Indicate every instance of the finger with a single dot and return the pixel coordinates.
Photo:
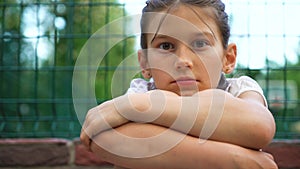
(272, 163)
(86, 133)
(85, 137)
(85, 140)
(95, 126)
(268, 155)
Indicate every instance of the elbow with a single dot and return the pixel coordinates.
(262, 126)
(265, 139)
(265, 132)
(269, 133)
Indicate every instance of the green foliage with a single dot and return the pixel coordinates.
(40, 43)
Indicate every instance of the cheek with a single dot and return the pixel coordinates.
(160, 77)
(212, 68)
(213, 58)
(159, 84)
(161, 64)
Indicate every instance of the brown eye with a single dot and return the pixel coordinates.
(166, 46)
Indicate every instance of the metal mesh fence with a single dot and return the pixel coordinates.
(40, 41)
(268, 40)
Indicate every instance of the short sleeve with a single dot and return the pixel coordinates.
(138, 85)
(244, 84)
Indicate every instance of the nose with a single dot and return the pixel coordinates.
(184, 57)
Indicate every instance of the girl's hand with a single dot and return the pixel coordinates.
(99, 119)
(247, 158)
(116, 112)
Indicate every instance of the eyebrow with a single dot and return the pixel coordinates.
(205, 33)
(208, 34)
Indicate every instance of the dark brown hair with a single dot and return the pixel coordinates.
(221, 17)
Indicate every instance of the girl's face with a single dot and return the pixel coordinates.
(185, 53)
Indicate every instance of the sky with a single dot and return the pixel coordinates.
(262, 29)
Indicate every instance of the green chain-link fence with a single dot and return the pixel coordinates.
(41, 39)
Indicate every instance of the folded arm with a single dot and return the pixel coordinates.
(211, 114)
(191, 153)
(218, 116)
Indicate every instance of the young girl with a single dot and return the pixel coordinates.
(159, 124)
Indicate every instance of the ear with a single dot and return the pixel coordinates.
(142, 58)
(229, 59)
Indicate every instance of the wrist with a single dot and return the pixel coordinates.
(132, 106)
(139, 102)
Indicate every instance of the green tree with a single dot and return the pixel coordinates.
(40, 43)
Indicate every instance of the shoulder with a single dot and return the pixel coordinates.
(140, 85)
(243, 84)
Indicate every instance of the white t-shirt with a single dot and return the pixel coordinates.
(236, 86)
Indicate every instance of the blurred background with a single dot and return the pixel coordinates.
(40, 41)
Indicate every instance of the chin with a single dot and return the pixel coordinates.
(187, 93)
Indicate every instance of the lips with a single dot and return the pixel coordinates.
(185, 81)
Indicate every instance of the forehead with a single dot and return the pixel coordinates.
(183, 21)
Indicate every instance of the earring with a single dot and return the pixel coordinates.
(227, 69)
(146, 74)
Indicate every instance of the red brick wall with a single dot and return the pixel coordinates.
(286, 153)
(46, 152)
(61, 152)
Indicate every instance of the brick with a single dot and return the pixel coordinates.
(34, 152)
(84, 157)
(286, 153)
